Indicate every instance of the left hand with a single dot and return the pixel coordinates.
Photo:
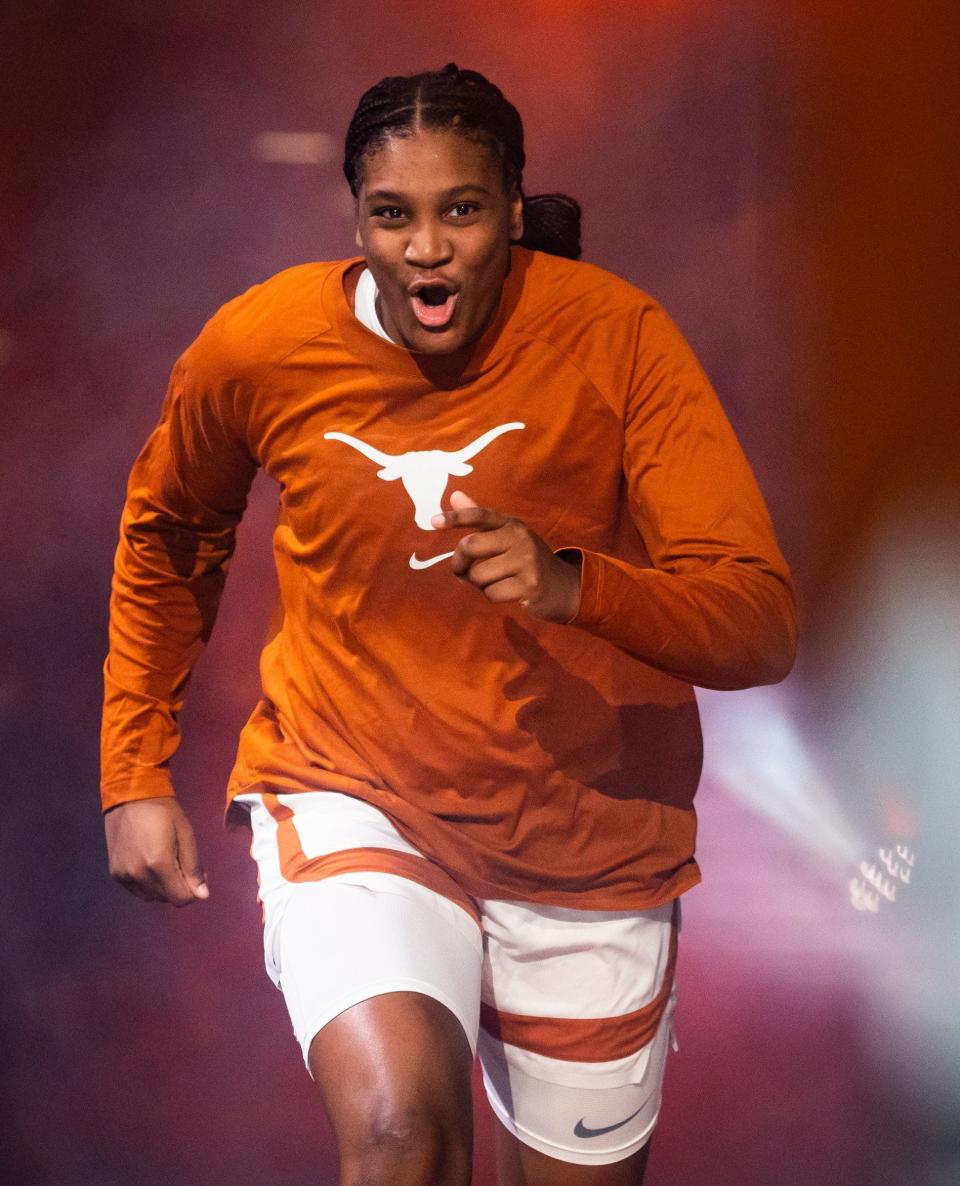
(509, 562)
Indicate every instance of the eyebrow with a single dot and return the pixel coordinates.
(391, 195)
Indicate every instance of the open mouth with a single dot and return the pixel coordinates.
(433, 305)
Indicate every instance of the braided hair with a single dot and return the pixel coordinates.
(470, 104)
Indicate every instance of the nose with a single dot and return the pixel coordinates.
(429, 245)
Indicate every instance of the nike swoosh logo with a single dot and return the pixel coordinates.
(415, 562)
(582, 1131)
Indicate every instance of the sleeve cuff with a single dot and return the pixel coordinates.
(591, 585)
(151, 782)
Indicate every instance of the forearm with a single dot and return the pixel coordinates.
(729, 626)
(716, 608)
(166, 590)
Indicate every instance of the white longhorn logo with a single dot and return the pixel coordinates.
(424, 472)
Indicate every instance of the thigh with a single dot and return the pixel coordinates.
(378, 956)
(339, 943)
(576, 1019)
(334, 938)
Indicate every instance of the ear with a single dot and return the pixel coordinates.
(516, 216)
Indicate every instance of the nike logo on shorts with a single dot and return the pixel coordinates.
(581, 1129)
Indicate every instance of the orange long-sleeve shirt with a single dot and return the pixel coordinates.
(553, 763)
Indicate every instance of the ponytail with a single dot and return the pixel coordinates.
(551, 223)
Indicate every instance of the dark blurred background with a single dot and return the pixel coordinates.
(781, 177)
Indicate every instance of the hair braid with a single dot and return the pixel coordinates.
(472, 105)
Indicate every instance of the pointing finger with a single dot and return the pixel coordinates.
(473, 516)
(459, 500)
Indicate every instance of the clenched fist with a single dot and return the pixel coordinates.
(153, 852)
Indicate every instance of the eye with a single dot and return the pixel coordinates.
(464, 209)
(388, 213)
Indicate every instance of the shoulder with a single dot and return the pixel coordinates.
(556, 288)
(254, 331)
(598, 322)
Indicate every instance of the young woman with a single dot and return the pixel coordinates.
(515, 528)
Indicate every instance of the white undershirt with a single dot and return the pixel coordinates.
(365, 304)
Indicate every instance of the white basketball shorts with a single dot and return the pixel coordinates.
(570, 1011)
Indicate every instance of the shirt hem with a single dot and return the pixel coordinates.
(630, 894)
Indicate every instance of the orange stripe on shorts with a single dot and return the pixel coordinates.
(295, 865)
(584, 1039)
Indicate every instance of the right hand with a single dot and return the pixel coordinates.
(153, 852)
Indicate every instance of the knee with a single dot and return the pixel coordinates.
(406, 1144)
